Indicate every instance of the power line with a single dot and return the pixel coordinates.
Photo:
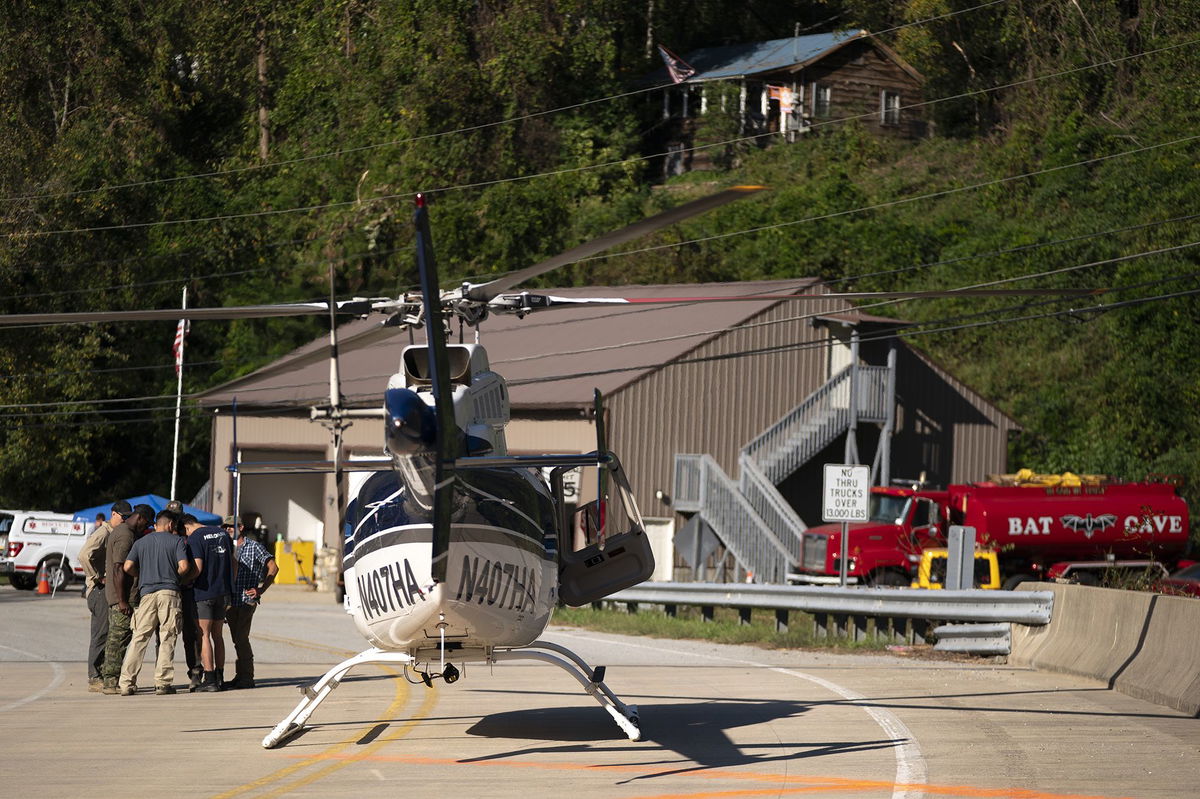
(893, 203)
(338, 153)
(357, 256)
(132, 259)
(774, 348)
(113, 370)
(938, 18)
(915, 267)
(553, 173)
(899, 201)
(878, 206)
(899, 333)
(413, 139)
(789, 347)
(817, 314)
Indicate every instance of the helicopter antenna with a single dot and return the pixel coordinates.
(443, 404)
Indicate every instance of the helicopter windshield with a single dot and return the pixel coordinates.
(888, 509)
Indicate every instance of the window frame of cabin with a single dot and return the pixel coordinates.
(822, 100)
(889, 107)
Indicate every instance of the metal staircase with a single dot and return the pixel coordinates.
(756, 524)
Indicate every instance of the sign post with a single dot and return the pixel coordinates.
(847, 494)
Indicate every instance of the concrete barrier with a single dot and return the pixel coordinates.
(1145, 645)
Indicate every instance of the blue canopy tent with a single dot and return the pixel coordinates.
(153, 500)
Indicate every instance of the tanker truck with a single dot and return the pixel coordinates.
(1039, 526)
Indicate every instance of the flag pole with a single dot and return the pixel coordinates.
(180, 336)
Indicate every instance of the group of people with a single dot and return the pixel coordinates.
(165, 573)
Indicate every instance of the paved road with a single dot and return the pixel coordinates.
(718, 722)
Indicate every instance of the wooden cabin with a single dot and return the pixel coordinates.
(784, 89)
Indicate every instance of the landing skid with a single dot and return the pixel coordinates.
(591, 680)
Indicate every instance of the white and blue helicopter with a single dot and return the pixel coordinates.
(455, 551)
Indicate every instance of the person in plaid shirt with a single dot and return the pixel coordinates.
(254, 571)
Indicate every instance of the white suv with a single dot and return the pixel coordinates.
(31, 538)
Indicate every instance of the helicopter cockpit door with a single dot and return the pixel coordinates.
(608, 563)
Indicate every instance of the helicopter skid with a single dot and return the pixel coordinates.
(591, 680)
(316, 693)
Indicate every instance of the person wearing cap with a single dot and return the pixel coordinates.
(212, 549)
(121, 589)
(92, 559)
(161, 561)
(254, 571)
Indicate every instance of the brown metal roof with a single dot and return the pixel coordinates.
(541, 356)
(855, 317)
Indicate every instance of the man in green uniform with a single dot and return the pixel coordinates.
(121, 590)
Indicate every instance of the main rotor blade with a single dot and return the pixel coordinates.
(443, 402)
(356, 307)
(487, 291)
(526, 302)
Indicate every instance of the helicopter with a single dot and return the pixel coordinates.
(455, 551)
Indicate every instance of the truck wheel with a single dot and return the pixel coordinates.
(1012, 582)
(21, 582)
(889, 577)
(57, 572)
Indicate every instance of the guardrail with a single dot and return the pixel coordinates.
(899, 613)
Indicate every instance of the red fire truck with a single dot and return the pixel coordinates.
(1040, 527)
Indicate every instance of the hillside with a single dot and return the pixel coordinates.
(249, 154)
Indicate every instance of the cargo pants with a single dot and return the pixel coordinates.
(158, 611)
(120, 632)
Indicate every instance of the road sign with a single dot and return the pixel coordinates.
(847, 493)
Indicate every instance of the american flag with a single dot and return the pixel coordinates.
(181, 331)
(679, 69)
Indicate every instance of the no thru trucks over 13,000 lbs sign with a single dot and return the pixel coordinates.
(847, 493)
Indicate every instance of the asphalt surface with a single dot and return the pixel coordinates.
(717, 721)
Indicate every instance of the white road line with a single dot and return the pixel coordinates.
(55, 680)
(910, 764)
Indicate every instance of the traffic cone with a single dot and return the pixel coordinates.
(43, 586)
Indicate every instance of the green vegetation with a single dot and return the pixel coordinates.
(315, 121)
(725, 628)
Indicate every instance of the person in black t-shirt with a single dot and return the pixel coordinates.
(212, 549)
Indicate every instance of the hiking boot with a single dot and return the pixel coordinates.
(95, 685)
(239, 682)
(164, 690)
(110, 688)
(129, 690)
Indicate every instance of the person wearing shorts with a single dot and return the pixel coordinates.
(212, 549)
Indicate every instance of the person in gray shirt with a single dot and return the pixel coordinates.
(162, 562)
(121, 592)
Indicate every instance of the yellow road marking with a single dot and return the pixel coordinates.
(358, 757)
(397, 704)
